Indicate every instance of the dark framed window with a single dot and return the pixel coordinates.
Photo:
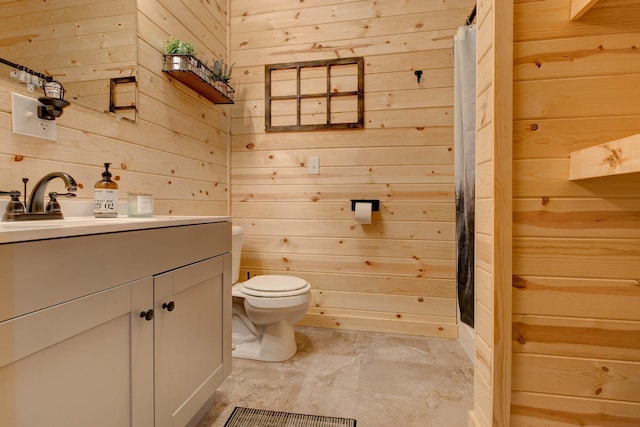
(313, 95)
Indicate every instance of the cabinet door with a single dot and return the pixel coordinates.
(71, 364)
(188, 340)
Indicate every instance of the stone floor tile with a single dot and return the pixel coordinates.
(379, 379)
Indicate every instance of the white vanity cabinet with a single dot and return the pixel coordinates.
(186, 379)
(69, 364)
(79, 344)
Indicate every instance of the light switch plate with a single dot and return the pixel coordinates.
(314, 165)
(25, 120)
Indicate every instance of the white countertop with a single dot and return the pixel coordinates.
(21, 231)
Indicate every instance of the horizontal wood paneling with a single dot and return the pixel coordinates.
(583, 337)
(377, 322)
(402, 267)
(323, 314)
(576, 244)
(557, 138)
(248, 17)
(383, 284)
(585, 378)
(427, 193)
(550, 178)
(83, 44)
(364, 277)
(339, 210)
(610, 54)
(538, 410)
(577, 217)
(418, 304)
(548, 19)
(365, 138)
(347, 246)
(580, 97)
(595, 258)
(576, 297)
(440, 231)
(373, 156)
(177, 150)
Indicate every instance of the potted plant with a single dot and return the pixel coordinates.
(178, 52)
(220, 76)
(181, 63)
(175, 46)
(221, 71)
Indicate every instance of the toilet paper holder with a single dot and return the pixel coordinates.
(375, 204)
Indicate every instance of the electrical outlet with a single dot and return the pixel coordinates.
(25, 120)
(314, 165)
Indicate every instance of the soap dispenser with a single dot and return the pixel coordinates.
(105, 196)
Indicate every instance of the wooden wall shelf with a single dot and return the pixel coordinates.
(580, 7)
(613, 158)
(194, 74)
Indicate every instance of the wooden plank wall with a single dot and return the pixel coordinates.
(397, 274)
(576, 244)
(178, 148)
(80, 43)
(492, 389)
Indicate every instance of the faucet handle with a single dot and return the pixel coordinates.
(53, 205)
(14, 206)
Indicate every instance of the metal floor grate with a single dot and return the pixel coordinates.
(247, 417)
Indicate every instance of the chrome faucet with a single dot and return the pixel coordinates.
(36, 199)
(35, 208)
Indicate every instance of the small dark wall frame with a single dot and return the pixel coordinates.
(117, 85)
(297, 97)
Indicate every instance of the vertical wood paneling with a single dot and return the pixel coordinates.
(576, 294)
(371, 277)
(493, 223)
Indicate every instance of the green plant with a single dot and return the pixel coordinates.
(174, 46)
(221, 71)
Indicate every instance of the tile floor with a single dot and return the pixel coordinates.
(381, 380)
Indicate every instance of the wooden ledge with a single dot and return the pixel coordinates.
(613, 158)
(580, 7)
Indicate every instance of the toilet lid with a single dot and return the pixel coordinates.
(272, 285)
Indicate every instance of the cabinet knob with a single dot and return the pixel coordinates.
(169, 305)
(147, 315)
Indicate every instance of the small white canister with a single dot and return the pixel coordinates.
(139, 204)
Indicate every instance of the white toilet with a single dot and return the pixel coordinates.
(264, 311)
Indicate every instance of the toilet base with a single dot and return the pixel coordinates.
(270, 343)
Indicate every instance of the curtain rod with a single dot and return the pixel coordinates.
(471, 17)
(26, 70)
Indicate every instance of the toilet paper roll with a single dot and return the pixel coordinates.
(363, 213)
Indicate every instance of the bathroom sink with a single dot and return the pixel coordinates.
(69, 222)
(29, 225)
(16, 231)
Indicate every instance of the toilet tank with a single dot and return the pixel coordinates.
(236, 252)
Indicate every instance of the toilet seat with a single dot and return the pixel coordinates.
(274, 286)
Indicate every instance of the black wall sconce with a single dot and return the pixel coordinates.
(53, 100)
